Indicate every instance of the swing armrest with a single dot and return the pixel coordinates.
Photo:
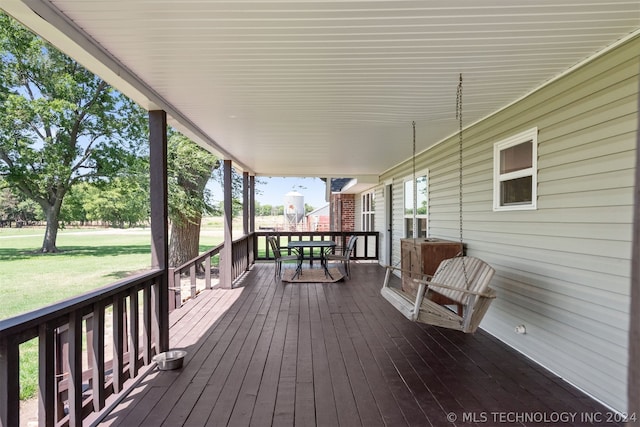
(466, 291)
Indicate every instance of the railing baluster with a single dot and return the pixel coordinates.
(75, 368)
(146, 323)
(207, 272)
(46, 376)
(118, 340)
(134, 332)
(62, 367)
(9, 382)
(192, 279)
(177, 287)
(97, 364)
(156, 315)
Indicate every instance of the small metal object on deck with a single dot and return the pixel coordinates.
(169, 360)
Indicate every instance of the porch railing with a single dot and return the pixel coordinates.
(124, 317)
(70, 388)
(367, 247)
(202, 268)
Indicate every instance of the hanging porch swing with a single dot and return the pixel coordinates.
(462, 280)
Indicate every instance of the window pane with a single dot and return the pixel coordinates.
(516, 158)
(422, 227)
(408, 228)
(516, 191)
(408, 198)
(421, 185)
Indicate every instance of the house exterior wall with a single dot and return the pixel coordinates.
(319, 219)
(380, 223)
(343, 212)
(562, 270)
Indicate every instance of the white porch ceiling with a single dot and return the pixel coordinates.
(326, 88)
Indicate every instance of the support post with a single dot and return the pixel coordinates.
(252, 204)
(226, 256)
(159, 221)
(245, 203)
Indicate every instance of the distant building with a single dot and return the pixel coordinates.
(319, 219)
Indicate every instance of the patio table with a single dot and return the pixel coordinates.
(300, 245)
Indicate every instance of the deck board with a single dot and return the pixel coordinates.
(332, 354)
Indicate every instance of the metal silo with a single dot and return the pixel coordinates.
(293, 208)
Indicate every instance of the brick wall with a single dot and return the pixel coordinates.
(343, 212)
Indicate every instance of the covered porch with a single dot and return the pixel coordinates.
(265, 352)
(275, 353)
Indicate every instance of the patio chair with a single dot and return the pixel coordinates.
(464, 280)
(345, 257)
(279, 258)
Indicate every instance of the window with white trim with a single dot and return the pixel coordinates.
(515, 172)
(422, 199)
(368, 211)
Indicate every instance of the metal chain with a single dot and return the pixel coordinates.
(414, 186)
(459, 117)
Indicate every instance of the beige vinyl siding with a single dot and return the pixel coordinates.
(562, 270)
(381, 223)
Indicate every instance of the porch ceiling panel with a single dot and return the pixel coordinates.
(330, 88)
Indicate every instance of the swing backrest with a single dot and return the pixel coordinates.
(465, 272)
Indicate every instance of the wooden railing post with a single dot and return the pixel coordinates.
(147, 308)
(97, 364)
(118, 338)
(75, 368)
(9, 383)
(134, 330)
(46, 376)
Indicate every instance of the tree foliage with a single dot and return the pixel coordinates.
(59, 123)
(14, 207)
(189, 170)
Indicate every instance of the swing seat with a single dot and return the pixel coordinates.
(464, 280)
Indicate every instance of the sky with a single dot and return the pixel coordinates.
(271, 190)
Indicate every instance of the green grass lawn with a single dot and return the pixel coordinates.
(89, 258)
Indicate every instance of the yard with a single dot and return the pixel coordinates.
(89, 258)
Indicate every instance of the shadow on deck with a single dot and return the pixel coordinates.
(274, 353)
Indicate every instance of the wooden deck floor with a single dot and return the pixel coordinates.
(273, 353)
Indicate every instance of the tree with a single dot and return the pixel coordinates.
(59, 123)
(14, 207)
(122, 203)
(190, 168)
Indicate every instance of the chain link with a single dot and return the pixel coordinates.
(414, 186)
(459, 117)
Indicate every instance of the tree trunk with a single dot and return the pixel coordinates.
(184, 243)
(51, 233)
